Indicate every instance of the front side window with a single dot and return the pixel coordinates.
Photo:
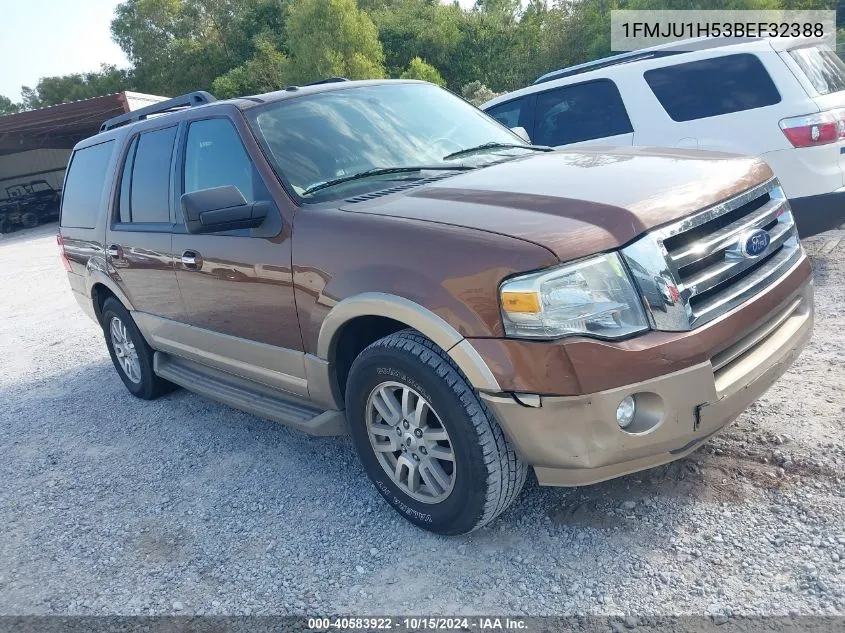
(580, 112)
(145, 196)
(84, 184)
(710, 87)
(507, 113)
(315, 138)
(215, 157)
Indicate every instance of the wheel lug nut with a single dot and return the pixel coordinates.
(405, 424)
(398, 430)
(423, 450)
(418, 432)
(416, 457)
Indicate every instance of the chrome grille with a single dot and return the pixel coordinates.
(696, 269)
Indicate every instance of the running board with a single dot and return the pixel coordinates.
(249, 396)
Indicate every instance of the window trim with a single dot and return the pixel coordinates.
(114, 215)
(710, 59)
(534, 109)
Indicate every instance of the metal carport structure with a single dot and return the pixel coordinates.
(36, 144)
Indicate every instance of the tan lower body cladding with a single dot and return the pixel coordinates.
(574, 441)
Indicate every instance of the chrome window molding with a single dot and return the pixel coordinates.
(689, 282)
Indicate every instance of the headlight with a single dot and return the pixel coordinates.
(594, 297)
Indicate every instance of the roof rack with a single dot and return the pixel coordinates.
(328, 80)
(662, 50)
(624, 58)
(189, 100)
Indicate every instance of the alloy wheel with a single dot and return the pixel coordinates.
(410, 442)
(124, 349)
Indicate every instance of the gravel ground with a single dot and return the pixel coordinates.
(114, 505)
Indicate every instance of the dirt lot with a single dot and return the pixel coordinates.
(114, 505)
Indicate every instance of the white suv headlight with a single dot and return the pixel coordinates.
(593, 297)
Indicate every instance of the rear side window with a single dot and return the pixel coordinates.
(215, 157)
(507, 113)
(710, 87)
(822, 67)
(83, 188)
(580, 112)
(145, 195)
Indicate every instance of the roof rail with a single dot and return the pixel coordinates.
(328, 80)
(662, 50)
(189, 100)
(624, 58)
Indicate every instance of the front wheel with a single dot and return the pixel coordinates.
(430, 446)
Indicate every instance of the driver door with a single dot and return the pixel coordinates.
(236, 285)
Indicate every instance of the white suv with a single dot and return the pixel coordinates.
(782, 100)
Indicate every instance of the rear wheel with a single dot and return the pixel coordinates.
(29, 220)
(129, 352)
(5, 226)
(428, 443)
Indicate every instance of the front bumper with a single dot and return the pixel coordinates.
(575, 440)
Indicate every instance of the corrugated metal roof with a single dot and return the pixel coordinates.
(62, 126)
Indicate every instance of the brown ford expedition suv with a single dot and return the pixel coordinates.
(382, 258)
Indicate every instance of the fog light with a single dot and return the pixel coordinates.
(625, 412)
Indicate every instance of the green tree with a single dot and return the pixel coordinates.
(177, 46)
(75, 87)
(7, 106)
(264, 72)
(419, 69)
(421, 28)
(332, 38)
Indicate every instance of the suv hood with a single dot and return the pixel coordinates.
(577, 202)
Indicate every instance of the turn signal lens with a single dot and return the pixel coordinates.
(521, 302)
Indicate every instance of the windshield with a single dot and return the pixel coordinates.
(322, 137)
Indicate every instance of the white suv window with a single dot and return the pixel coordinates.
(507, 113)
(580, 112)
(710, 87)
(822, 67)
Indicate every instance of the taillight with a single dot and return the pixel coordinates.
(61, 244)
(815, 129)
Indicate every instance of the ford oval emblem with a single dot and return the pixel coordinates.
(754, 244)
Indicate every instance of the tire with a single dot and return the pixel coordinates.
(122, 339)
(5, 226)
(484, 474)
(30, 220)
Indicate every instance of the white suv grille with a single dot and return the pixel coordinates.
(698, 268)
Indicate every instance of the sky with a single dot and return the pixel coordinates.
(54, 37)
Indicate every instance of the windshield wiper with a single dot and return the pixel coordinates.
(495, 145)
(378, 171)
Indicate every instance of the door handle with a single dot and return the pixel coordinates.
(191, 260)
(114, 251)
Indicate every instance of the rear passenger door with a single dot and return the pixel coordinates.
(586, 113)
(138, 238)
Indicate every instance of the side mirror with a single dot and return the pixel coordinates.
(521, 133)
(221, 209)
